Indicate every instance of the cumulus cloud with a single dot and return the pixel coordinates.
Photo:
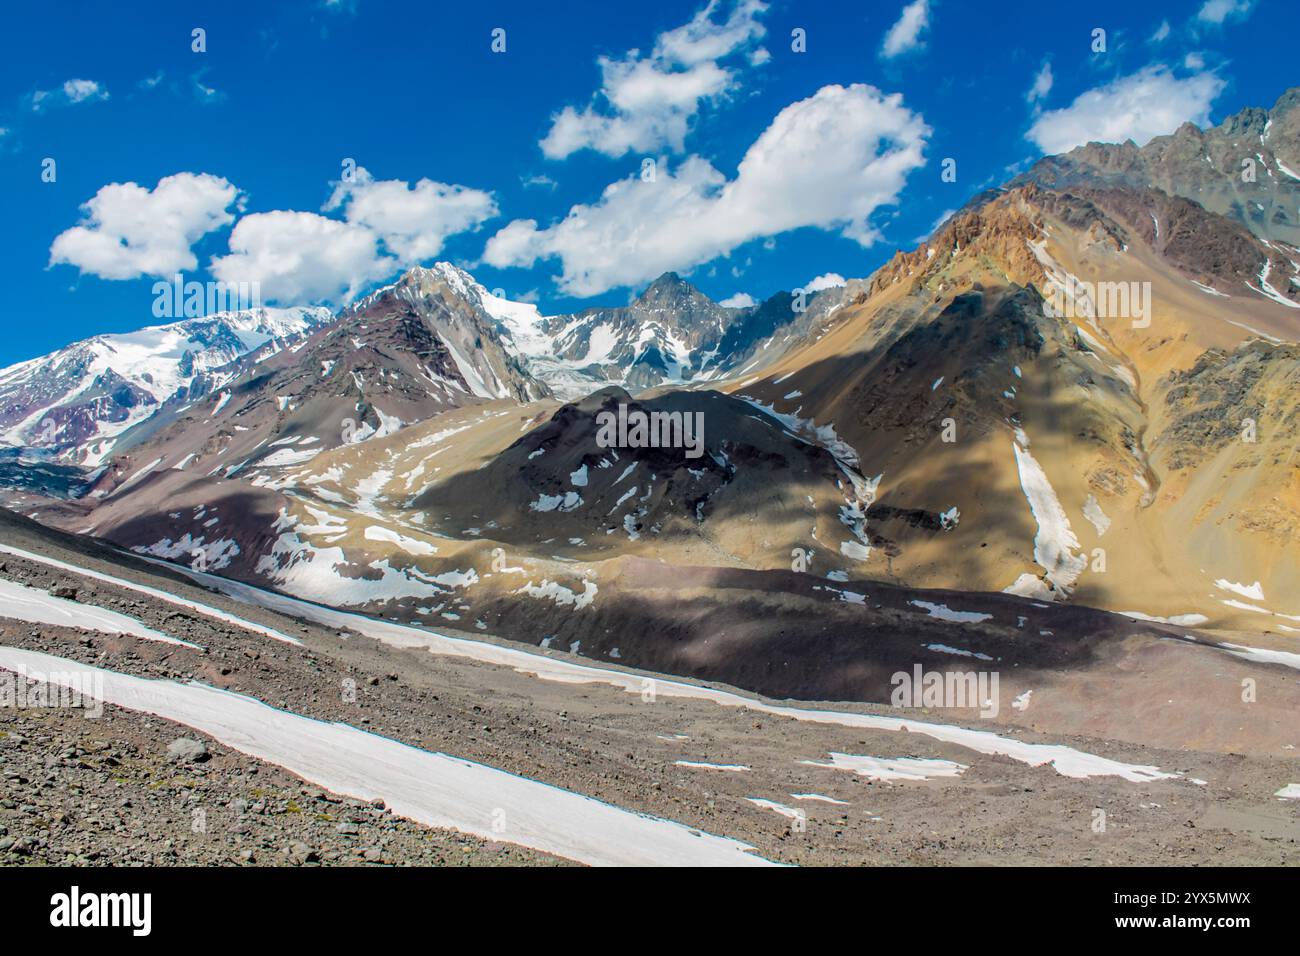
(741, 300)
(302, 257)
(72, 91)
(647, 102)
(305, 257)
(831, 280)
(413, 221)
(1162, 32)
(128, 230)
(1217, 11)
(1042, 84)
(828, 161)
(1148, 103)
(905, 35)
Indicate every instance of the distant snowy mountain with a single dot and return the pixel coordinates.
(75, 402)
(671, 334)
(978, 415)
(458, 315)
(434, 339)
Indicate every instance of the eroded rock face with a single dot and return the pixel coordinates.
(1247, 397)
(437, 313)
(999, 228)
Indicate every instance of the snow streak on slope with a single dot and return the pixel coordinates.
(825, 437)
(1055, 543)
(892, 768)
(1096, 517)
(431, 788)
(1253, 591)
(22, 603)
(1267, 290)
(1285, 658)
(945, 613)
(1065, 760)
(170, 598)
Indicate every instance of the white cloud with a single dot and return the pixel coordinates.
(78, 90)
(1148, 103)
(1042, 84)
(1217, 11)
(741, 300)
(72, 91)
(831, 280)
(1162, 32)
(300, 257)
(130, 231)
(905, 35)
(413, 221)
(828, 161)
(703, 40)
(303, 257)
(646, 103)
(1194, 61)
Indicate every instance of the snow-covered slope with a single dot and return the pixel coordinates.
(76, 400)
(671, 334)
(455, 309)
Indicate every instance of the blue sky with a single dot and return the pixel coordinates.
(772, 167)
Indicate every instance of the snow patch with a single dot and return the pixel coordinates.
(561, 595)
(23, 603)
(434, 789)
(891, 768)
(1253, 591)
(409, 545)
(1092, 511)
(1055, 543)
(945, 613)
(697, 765)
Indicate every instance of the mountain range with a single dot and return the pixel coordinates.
(1082, 391)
